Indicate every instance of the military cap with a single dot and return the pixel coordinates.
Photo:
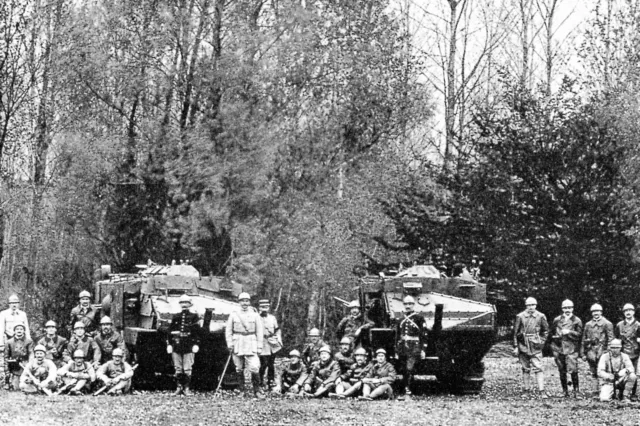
(40, 348)
(325, 348)
(596, 307)
(314, 332)
(295, 353)
(628, 307)
(264, 302)
(19, 324)
(244, 295)
(360, 351)
(50, 323)
(567, 304)
(615, 343)
(117, 352)
(409, 299)
(78, 324)
(185, 298)
(14, 298)
(354, 304)
(83, 294)
(530, 301)
(78, 353)
(381, 351)
(345, 341)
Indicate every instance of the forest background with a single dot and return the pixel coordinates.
(295, 144)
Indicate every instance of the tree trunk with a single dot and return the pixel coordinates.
(450, 102)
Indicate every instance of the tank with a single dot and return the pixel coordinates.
(461, 324)
(141, 306)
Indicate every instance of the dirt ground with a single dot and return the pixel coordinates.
(501, 402)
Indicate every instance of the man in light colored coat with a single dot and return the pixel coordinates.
(616, 373)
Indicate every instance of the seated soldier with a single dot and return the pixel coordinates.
(311, 352)
(351, 381)
(293, 375)
(17, 351)
(379, 379)
(323, 376)
(616, 373)
(77, 375)
(108, 339)
(344, 357)
(116, 374)
(54, 344)
(86, 344)
(39, 375)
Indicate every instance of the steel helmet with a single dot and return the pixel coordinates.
(326, 349)
(615, 343)
(185, 298)
(83, 294)
(360, 351)
(78, 324)
(40, 348)
(408, 299)
(530, 301)
(14, 298)
(354, 304)
(117, 352)
(314, 332)
(19, 324)
(628, 307)
(295, 353)
(78, 353)
(381, 351)
(596, 307)
(106, 320)
(345, 341)
(567, 304)
(50, 323)
(264, 302)
(244, 295)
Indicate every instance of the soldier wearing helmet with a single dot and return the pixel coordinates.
(17, 350)
(344, 357)
(311, 352)
(84, 313)
(54, 344)
(109, 339)
(272, 343)
(566, 332)
(10, 317)
(116, 374)
(77, 374)
(379, 379)
(323, 375)
(529, 336)
(81, 340)
(353, 325)
(245, 338)
(597, 335)
(351, 381)
(628, 331)
(616, 373)
(293, 375)
(39, 375)
(183, 343)
(412, 338)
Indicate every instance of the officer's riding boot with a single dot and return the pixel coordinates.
(178, 385)
(526, 381)
(563, 382)
(255, 380)
(408, 392)
(187, 385)
(540, 380)
(241, 384)
(576, 384)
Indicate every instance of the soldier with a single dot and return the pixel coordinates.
(628, 331)
(323, 376)
(183, 343)
(293, 375)
(353, 324)
(244, 335)
(10, 317)
(529, 335)
(565, 344)
(108, 339)
(344, 357)
(597, 335)
(616, 373)
(17, 350)
(116, 374)
(379, 379)
(80, 340)
(39, 375)
(412, 336)
(77, 375)
(351, 381)
(54, 344)
(84, 313)
(311, 352)
(272, 343)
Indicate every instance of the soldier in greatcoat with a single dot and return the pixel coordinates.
(272, 343)
(109, 339)
(54, 344)
(628, 331)
(597, 335)
(183, 343)
(294, 374)
(379, 379)
(245, 339)
(323, 376)
(84, 313)
(566, 332)
(529, 336)
(353, 325)
(412, 337)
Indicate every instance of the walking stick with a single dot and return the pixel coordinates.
(223, 373)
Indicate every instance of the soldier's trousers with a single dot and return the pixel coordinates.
(267, 363)
(27, 386)
(408, 358)
(566, 363)
(251, 361)
(607, 390)
(183, 363)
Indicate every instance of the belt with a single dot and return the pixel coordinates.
(244, 333)
(410, 338)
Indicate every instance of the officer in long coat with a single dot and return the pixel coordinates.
(412, 336)
(565, 344)
(628, 331)
(597, 335)
(272, 343)
(183, 343)
(529, 336)
(245, 340)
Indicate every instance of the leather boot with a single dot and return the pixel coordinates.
(241, 384)
(526, 382)
(576, 384)
(540, 380)
(563, 382)
(178, 385)
(255, 380)
(186, 385)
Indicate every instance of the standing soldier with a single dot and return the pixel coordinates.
(17, 351)
(39, 375)
(117, 373)
(617, 373)
(244, 335)
(379, 379)
(108, 339)
(529, 335)
(77, 375)
(565, 344)
(628, 330)
(84, 313)
(10, 317)
(54, 344)
(183, 343)
(272, 343)
(81, 340)
(597, 335)
(293, 375)
(353, 324)
(323, 376)
(412, 336)
(311, 352)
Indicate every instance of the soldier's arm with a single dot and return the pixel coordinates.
(27, 332)
(101, 374)
(97, 353)
(278, 331)
(340, 328)
(92, 373)
(576, 334)
(128, 372)
(63, 371)
(602, 369)
(516, 327)
(259, 332)
(628, 365)
(335, 373)
(52, 372)
(391, 377)
(544, 328)
(584, 343)
(616, 332)
(228, 332)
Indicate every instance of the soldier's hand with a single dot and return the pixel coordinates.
(294, 389)
(259, 351)
(116, 380)
(515, 351)
(195, 349)
(96, 365)
(169, 349)
(422, 355)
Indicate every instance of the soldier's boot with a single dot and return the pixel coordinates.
(526, 381)
(187, 385)
(179, 388)
(7, 380)
(540, 380)
(563, 382)
(255, 381)
(576, 384)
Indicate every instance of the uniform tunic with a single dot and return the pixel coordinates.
(8, 320)
(323, 373)
(530, 332)
(356, 373)
(629, 332)
(348, 326)
(609, 369)
(384, 372)
(272, 335)
(55, 347)
(87, 345)
(596, 337)
(311, 353)
(110, 371)
(345, 361)
(83, 372)
(184, 333)
(244, 334)
(108, 342)
(292, 375)
(16, 351)
(44, 372)
(566, 347)
(412, 334)
(87, 316)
